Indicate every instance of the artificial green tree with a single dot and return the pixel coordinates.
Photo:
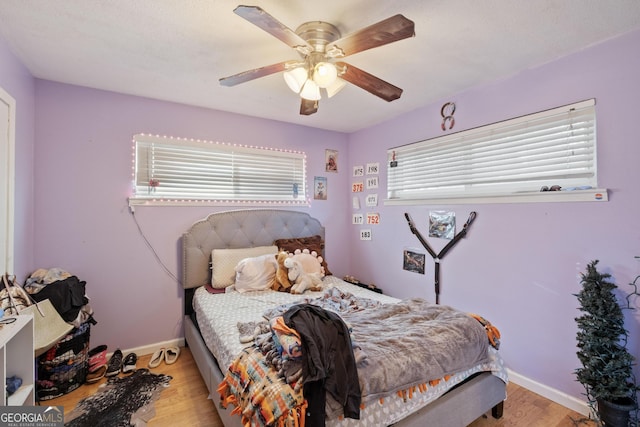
(607, 365)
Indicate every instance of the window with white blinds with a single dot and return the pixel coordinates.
(175, 169)
(551, 148)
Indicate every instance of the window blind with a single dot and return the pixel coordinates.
(553, 147)
(182, 169)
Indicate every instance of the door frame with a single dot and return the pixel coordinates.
(7, 183)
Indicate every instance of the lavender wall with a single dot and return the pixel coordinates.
(520, 263)
(83, 177)
(16, 80)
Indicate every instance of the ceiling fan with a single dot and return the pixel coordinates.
(320, 44)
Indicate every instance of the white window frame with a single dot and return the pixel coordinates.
(170, 171)
(505, 162)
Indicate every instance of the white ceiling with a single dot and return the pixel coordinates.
(176, 50)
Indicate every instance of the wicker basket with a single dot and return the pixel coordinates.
(64, 367)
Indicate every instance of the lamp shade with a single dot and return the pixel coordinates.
(310, 91)
(295, 78)
(324, 74)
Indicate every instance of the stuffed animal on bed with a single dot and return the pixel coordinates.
(304, 271)
(281, 282)
(298, 271)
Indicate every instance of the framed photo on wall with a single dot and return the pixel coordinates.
(331, 160)
(320, 188)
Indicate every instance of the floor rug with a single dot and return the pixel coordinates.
(120, 402)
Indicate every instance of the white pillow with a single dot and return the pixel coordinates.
(224, 261)
(256, 274)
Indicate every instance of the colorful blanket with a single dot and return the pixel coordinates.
(259, 394)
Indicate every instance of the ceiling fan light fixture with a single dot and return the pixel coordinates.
(310, 91)
(324, 74)
(296, 78)
(335, 87)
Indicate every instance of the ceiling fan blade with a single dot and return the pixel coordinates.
(308, 107)
(256, 73)
(369, 82)
(257, 16)
(386, 31)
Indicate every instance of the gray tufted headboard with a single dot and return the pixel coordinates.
(238, 229)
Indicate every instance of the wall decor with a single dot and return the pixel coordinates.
(331, 160)
(357, 219)
(393, 163)
(373, 218)
(438, 257)
(413, 261)
(357, 187)
(442, 224)
(446, 112)
(365, 234)
(358, 170)
(320, 188)
(372, 182)
(373, 168)
(356, 202)
(372, 199)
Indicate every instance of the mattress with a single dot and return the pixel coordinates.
(219, 314)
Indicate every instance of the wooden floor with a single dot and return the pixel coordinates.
(185, 402)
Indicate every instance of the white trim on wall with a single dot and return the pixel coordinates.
(552, 394)
(7, 180)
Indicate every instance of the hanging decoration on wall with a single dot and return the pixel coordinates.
(320, 188)
(373, 218)
(373, 168)
(437, 257)
(442, 224)
(372, 199)
(393, 163)
(365, 234)
(446, 112)
(331, 160)
(413, 261)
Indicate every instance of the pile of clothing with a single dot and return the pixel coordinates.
(65, 291)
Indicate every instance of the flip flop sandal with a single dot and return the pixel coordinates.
(156, 358)
(129, 363)
(171, 355)
(97, 357)
(96, 375)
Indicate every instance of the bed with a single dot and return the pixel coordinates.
(457, 401)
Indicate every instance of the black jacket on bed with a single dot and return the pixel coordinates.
(328, 361)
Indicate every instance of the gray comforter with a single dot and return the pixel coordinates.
(404, 344)
(414, 342)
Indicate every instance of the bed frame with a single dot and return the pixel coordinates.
(260, 227)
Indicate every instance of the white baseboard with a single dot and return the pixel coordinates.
(152, 348)
(552, 394)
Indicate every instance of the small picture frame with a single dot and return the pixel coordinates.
(320, 188)
(331, 160)
(413, 261)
